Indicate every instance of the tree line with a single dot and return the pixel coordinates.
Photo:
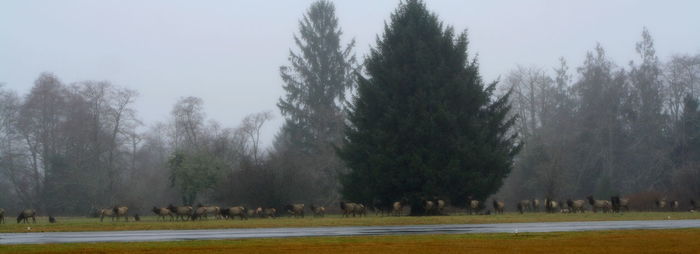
(413, 121)
(606, 129)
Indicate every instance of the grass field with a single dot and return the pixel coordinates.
(618, 242)
(150, 223)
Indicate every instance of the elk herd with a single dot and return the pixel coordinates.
(435, 206)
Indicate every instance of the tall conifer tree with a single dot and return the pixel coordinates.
(423, 123)
(316, 81)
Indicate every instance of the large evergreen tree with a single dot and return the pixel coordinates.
(423, 123)
(316, 82)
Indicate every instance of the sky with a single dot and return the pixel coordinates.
(229, 52)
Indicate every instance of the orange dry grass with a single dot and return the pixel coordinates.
(618, 242)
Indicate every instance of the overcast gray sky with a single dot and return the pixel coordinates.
(229, 52)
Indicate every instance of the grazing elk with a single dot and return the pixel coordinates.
(536, 205)
(259, 212)
(397, 208)
(199, 213)
(269, 212)
(120, 211)
(550, 205)
(234, 211)
(349, 208)
(498, 206)
(296, 210)
(251, 213)
(673, 205)
(440, 206)
(599, 204)
(2, 216)
(266, 212)
(615, 201)
(660, 203)
(576, 206)
(215, 210)
(474, 206)
(625, 204)
(429, 207)
(361, 210)
(181, 212)
(523, 205)
(162, 212)
(106, 212)
(619, 204)
(319, 211)
(25, 215)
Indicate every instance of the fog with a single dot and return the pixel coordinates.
(228, 52)
(145, 103)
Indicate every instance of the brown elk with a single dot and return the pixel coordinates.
(361, 210)
(599, 204)
(181, 212)
(625, 204)
(120, 211)
(349, 208)
(296, 210)
(162, 212)
(660, 203)
(473, 206)
(498, 206)
(440, 205)
(551, 206)
(199, 213)
(25, 215)
(523, 205)
(319, 211)
(576, 206)
(536, 205)
(429, 207)
(234, 211)
(106, 212)
(269, 212)
(397, 208)
(619, 204)
(673, 205)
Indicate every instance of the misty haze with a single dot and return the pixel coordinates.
(232, 110)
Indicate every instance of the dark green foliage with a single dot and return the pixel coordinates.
(686, 150)
(423, 123)
(315, 83)
(316, 80)
(194, 173)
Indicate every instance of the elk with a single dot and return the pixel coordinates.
(523, 205)
(181, 212)
(296, 210)
(25, 215)
(599, 204)
(120, 211)
(162, 212)
(319, 211)
(498, 206)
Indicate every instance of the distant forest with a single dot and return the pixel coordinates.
(604, 129)
(598, 129)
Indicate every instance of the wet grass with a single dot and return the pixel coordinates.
(619, 242)
(66, 224)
